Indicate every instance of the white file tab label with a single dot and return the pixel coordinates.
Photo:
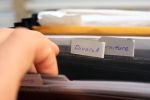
(119, 46)
(88, 47)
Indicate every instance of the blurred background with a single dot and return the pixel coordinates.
(13, 10)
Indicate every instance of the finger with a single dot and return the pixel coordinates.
(51, 44)
(48, 65)
(54, 47)
(43, 50)
(45, 60)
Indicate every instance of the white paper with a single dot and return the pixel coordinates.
(88, 47)
(119, 46)
(92, 17)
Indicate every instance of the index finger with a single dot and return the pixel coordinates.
(45, 56)
(46, 62)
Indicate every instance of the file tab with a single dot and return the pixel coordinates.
(88, 47)
(119, 46)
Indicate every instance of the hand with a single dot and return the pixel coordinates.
(19, 49)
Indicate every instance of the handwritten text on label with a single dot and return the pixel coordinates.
(88, 47)
(119, 46)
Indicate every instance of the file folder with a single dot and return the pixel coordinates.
(91, 78)
(57, 88)
(89, 68)
(33, 23)
(94, 30)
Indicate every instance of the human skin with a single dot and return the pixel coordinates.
(23, 50)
